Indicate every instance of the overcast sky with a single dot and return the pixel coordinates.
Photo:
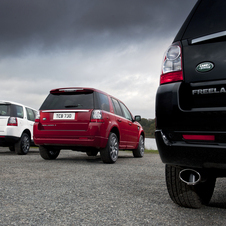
(116, 46)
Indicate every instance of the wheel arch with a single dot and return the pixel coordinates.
(141, 133)
(116, 131)
(27, 131)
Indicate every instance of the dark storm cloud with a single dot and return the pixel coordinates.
(47, 24)
(113, 45)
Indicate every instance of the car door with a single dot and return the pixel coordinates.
(31, 119)
(122, 123)
(131, 128)
(19, 113)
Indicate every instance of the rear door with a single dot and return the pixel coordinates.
(31, 114)
(122, 123)
(131, 128)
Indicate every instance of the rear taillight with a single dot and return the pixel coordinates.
(172, 65)
(37, 117)
(12, 121)
(97, 116)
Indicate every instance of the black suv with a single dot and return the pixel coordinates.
(191, 106)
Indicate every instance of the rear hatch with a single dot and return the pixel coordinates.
(67, 112)
(204, 58)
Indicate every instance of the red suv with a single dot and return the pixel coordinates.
(88, 120)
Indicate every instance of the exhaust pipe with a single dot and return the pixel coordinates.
(190, 176)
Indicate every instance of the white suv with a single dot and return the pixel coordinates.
(16, 126)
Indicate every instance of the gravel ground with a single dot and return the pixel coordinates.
(79, 190)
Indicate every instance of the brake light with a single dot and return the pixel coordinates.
(199, 137)
(97, 116)
(70, 90)
(12, 121)
(172, 65)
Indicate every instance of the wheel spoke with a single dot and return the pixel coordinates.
(114, 148)
(110, 153)
(25, 144)
(142, 146)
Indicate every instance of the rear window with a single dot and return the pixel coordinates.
(209, 18)
(11, 110)
(5, 110)
(68, 101)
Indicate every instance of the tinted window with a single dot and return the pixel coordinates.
(5, 110)
(19, 111)
(126, 112)
(68, 101)
(103, 102)
(30, 114)
(116, 106)
(209, 18)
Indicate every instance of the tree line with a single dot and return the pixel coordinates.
(149, 127)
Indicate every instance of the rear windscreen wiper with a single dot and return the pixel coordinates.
(73, 106)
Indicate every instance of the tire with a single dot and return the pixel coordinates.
(191, 196)
(23, 145)
(49, 153)
(109, 154)
(139, 152)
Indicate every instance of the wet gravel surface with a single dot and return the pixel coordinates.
(76, 189)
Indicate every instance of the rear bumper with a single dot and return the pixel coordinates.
(6, 141)
(72, 138)
(174, 119)
(97, 142)
(193, 155)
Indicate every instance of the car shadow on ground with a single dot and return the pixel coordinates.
(80, 157)
(83, 157)
(221, 205)
(13, 153)
(219, 201)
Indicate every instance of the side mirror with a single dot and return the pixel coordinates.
(137, 118)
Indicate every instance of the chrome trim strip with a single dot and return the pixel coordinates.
(208, 37)
(65, 110)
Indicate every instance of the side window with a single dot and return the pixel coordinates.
(19, 111)
(126, 112)
(30, 114)
(117, 108)
(104, 103)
